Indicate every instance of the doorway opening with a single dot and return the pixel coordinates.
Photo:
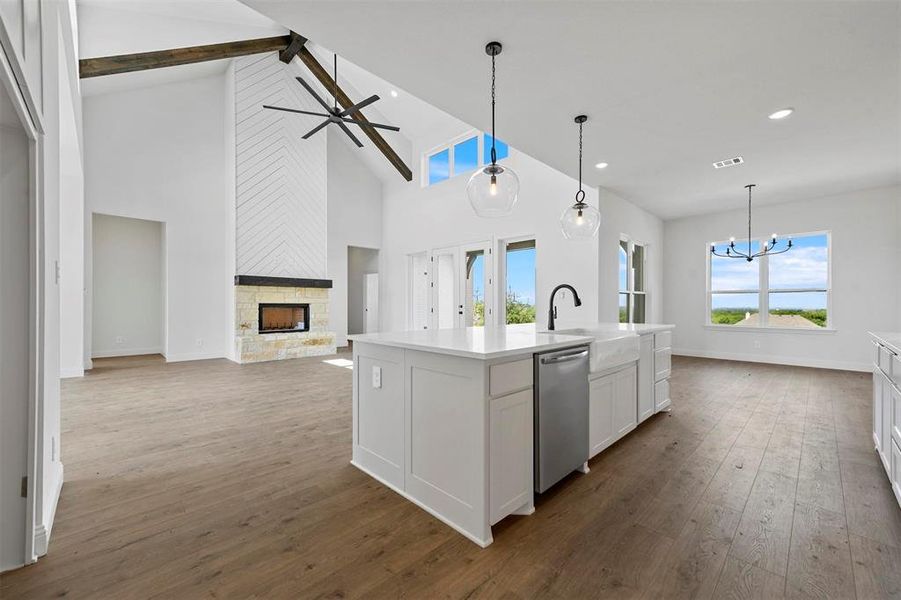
(128, 298)
(362, 290)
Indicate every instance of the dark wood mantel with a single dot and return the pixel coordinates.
(282, 281)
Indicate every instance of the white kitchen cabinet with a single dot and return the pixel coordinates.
(661, 394)
(646, 377)
(612, 409)
(887, 407)
(511, 468)
(625, 414)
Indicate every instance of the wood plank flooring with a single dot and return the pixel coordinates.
(213, 480)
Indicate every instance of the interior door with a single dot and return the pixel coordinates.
(371, 303)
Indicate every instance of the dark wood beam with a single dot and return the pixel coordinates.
(293, 47)
(320, 73)
(126, 63)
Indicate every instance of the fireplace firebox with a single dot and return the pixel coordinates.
(284, 318)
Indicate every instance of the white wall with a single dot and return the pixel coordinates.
(159, 154)
(618, 217)
(354, 219)
(360, 262)
(417, 219)
(128, 286)
(865, 292)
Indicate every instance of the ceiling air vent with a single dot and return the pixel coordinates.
(729, 162)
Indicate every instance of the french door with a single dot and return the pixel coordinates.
(461, 285)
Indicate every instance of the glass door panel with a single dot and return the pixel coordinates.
(444, 289)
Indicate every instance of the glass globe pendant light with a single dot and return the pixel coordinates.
(580, 221)
(493, 190)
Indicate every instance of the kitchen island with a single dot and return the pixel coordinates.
(445, 417)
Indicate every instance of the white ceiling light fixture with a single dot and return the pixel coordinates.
(781, 113)
(581, 220)
(493, 190)
(601, 165)
(394, 93)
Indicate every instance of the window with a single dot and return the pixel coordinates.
(632, 281)
(520, 278)
(785, 291)
(460, 156)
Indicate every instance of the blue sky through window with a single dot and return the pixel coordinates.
(521, 274)
(466, 155)
(439, 166)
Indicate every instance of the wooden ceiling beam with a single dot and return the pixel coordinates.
(127, 63)
(322, 74)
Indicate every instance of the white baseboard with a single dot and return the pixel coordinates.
(42, 530)
(69, 373)
(193, 356)
(792, 361)
(125, 352)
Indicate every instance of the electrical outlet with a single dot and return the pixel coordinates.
(120, 340)
(199, 342)
(757, 344)
(377, 377)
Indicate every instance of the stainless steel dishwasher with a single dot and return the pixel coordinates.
(561, 414)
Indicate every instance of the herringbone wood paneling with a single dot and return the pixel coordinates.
(281, 179)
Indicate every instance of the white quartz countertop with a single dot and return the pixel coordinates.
(890, 339)
(497, 342)
(476, 342)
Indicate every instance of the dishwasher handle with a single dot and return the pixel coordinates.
(563, 358)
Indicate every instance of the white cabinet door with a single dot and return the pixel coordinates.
(625, 407)
(895, 475)
(600, 413)
(511, 454)
(886, 438)
(895, 428)
(646, 378)
(877, 408)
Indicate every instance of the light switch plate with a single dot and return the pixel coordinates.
(377, 377)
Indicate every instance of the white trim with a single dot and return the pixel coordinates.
(41, 531)
(777, 360)
(71, 372)
(126, 352)
(170, 358)
(804, 330)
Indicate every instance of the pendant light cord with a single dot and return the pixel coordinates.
(580, 195)
(749, 219)
(493, 152)
(336, 83)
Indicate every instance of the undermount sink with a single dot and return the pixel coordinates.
(609, 349)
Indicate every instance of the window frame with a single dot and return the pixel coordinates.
(763, 290)
(451, 163)
(630, 278)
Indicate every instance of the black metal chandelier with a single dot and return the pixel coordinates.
(768, 247)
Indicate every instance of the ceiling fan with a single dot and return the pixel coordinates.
(333, 114)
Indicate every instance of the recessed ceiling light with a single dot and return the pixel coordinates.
(601, 165)
(782, 113)
(394, 93)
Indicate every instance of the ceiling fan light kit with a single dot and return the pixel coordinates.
(494, 189)
(769, 248)
(580, 221)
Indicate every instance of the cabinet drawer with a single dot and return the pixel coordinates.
(896, 370)
(661, 395)
(664, 339)
(885, 360)
(663, 360)
(509, 377)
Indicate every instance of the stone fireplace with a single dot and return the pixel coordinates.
(281, 317)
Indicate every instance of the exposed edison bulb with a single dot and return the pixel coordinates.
(492, 187)
(580, 219)
(774, 237)
(732, 239)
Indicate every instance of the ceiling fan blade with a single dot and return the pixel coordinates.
(349, 134)
(317, 128)
(356, 107)
(371, 124)
(295, 110)
(313, 93)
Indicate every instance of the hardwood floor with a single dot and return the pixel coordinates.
(213, 480)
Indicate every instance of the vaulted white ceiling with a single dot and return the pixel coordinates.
(669, 87)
